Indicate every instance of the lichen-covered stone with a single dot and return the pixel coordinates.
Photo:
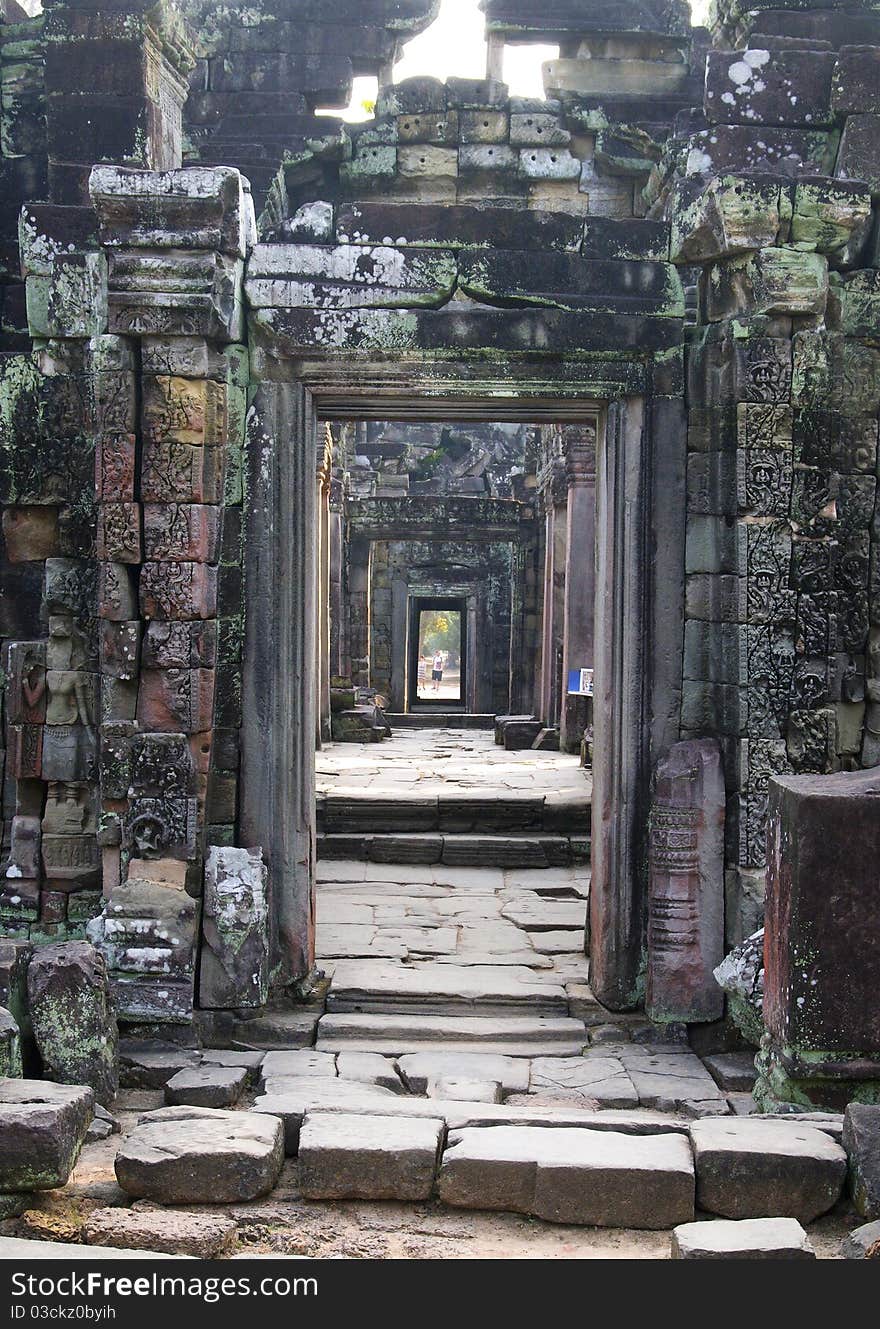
(74, 1017)
(235, 959)
(42, 1127)
(10, 1045)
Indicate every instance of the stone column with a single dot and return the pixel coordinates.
(579, 442)
(278, 689)
(359, 554)
(548, 665)
(336, 538)
(322, 598)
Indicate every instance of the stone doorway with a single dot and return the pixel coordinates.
(438, 651)
(637, 658)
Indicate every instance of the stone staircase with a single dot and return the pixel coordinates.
(511, 831)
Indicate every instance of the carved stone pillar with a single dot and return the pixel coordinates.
(359, 552)
(579, 442)
(338, 652)
(322, 598)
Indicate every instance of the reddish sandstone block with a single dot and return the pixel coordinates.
(184, 410)
(187, 531)
(181, 473)
(115, 468)
(179, 700)
(31, 534)
(26, 751)
(119, 532)
(116, 596)
(178, 591)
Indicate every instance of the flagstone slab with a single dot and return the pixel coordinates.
(749, 1168)
(418, 1068)
(600, 1079)
(345, 1156)
(361, 984)
(580, 1176)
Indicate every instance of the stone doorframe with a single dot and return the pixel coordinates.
(639, 627)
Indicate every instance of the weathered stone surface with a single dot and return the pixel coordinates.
(348, 276)
(200, 1156)
(732, 1071)
(741, 975)
(302, 1062)
(748, 1239)
(20, 1248)
(347, 1157)
(823, 939)
(42, 1128)
(369, 1068)
(670, 1078)
(601, 1179)
(152, 1065)
(10, 1045)
(235, 930)
(771, 88)
(74, 1017)
(859, 155)
(748, 1168)
(291, 1099)
(686, 892)
(206, 1086)
(360, 984)
(729, 215)
(418, 1068)
(593, 1079)
(863, 1243)
(203, 1236)
(861, 1140)
(196, 208)
(456, 226)
(519, 1036)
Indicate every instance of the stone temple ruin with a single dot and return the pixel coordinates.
(571, 401)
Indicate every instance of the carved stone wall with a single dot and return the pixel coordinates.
(643, 241)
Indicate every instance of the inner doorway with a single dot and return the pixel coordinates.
(438, 653)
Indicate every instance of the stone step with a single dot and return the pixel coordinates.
(397, 1035)
(524, 850)
(435, 720)
(393, 989)
(599, 1178)
(518, 816)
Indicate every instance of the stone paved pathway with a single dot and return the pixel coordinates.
(428, 762)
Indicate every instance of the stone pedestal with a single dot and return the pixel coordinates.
(686, 890)
(822, 941)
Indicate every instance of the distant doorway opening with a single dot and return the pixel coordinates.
(438, 652)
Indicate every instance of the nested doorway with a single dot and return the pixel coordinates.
(438, 676)
(639, 612)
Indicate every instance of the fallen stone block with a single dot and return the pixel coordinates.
(206, 1086)
(861, 1140)
(21, 1249)
(596, 1178)
(349, 1157)
(250, 1062)
(151, 1065)
(734, 1072)
(171, 1232)
(748, 1168)
(201, 1156)
(746, 1239)
(863, 1243)
(42, 1128)
(74, 1017)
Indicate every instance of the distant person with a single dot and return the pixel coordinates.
(437, 671)
(423, 673)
